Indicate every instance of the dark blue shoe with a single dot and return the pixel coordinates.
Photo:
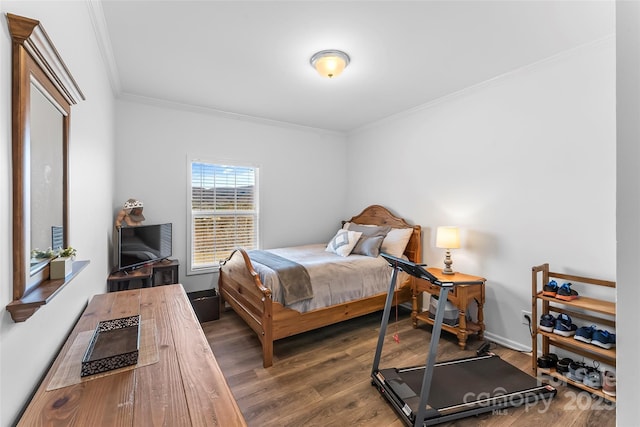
(547, 322)
(564, 326)
(604, 339)
(585, 333)
(565, 292)
(550, 289)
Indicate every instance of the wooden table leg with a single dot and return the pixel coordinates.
(480, 319)
(414, 308)
(462, 317)
(462, 328)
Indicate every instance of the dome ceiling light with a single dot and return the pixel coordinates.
(330, 63)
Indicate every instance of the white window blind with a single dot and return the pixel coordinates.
(224, 213)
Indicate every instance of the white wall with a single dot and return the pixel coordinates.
(28, 348)
(302, 176)
(628, 204)
(524, 164)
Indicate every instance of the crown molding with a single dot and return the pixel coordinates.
(487, 83)
(162, 103)
(96, 14)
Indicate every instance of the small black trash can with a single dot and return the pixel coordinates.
(206, 304)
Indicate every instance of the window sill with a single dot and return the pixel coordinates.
(200, 271)
(24, 308)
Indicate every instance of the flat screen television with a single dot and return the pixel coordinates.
(136, 246)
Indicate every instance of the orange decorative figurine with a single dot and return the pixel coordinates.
(130, 214)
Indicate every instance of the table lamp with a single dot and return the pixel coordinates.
(448, 238)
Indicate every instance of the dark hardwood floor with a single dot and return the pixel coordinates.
(322, 378)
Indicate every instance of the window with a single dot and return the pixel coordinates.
(223, 213)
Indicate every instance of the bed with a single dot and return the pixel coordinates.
(250, 289)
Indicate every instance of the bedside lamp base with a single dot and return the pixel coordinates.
(447, 263)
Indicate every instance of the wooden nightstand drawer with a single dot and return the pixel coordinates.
(432, 289)
(435, 290)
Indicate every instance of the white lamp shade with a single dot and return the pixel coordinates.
(330, 63)
(448, 237)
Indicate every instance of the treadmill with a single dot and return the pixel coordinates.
(449, 390)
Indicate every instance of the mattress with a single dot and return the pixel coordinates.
(334, 279)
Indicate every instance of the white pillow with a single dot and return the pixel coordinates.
(343, 242)
(395, 242)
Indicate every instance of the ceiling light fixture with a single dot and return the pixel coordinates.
(330, 63)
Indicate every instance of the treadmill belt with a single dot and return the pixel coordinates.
(461, 381)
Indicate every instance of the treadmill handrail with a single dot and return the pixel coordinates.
(417, 270)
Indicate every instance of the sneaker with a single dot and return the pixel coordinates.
(609, 383)
(550, 289)
(577, 371)
(585, 333)
(562, 367)
(592, 378)
(547, 322)
(604, 339)
(564, 326)
(565, 292)
(548, 361)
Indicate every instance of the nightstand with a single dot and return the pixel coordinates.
(459, 296)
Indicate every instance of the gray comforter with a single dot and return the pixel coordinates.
(334, 279)
(293, 277)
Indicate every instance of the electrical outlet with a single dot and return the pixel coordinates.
(523, 317)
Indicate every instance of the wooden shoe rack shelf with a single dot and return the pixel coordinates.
(585, 309)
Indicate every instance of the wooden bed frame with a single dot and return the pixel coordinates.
(271, 321)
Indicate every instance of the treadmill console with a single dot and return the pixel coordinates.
(411, 268)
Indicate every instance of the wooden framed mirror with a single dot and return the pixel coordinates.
(43, 91)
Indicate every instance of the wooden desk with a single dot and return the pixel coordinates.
(184, 388)
(460, 296)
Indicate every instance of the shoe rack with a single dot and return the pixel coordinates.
(584, 309)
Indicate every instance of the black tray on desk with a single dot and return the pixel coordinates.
(114, 344)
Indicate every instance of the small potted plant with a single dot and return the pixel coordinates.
(67, 253)
(62, 266)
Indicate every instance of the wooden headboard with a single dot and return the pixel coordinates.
(379, 215)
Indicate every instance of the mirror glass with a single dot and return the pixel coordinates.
(46, 178)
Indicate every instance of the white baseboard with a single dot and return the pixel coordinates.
(506, 342)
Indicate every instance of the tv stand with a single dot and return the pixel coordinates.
(121, 280)
(164, 272)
